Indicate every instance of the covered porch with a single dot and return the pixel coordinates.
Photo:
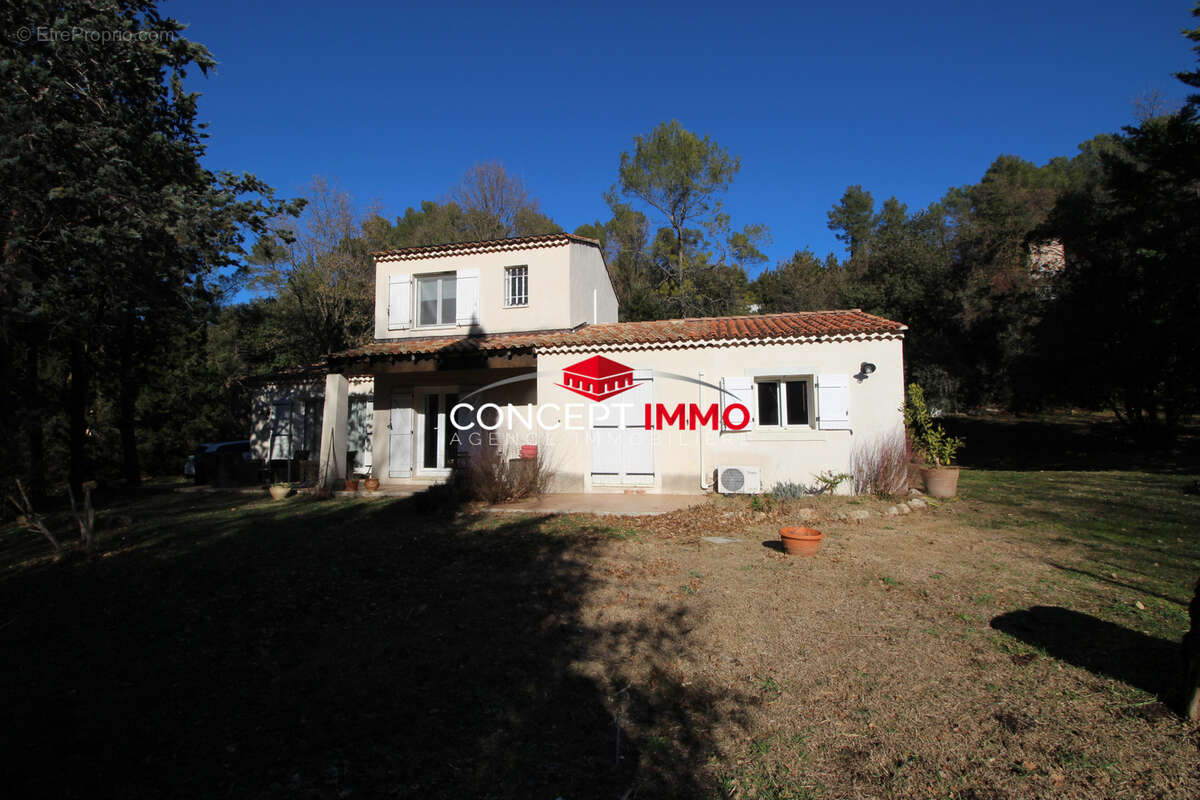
(417, 383)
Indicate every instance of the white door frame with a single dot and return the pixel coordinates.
(419, 404)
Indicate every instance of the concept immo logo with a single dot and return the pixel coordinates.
(597, 378)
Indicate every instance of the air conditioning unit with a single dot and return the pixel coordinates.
(739, 480)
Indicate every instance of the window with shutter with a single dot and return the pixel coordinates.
(399, 302)
(467, 297)
(783, 401)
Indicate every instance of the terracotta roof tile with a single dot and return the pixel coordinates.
(490, 246)
(796, 326)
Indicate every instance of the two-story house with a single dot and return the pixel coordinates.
(516, 342)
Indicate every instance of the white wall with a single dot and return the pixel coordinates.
(792, 455)
(561, 280)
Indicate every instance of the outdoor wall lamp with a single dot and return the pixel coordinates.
(864, 369)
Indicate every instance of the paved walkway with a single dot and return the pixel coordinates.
(622, 505)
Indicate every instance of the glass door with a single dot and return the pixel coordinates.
(439, 445)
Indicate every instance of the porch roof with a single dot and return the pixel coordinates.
(799, 326)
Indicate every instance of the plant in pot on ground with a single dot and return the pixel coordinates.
(933, 444)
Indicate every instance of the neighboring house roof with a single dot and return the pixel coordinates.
(799, 326)
(490, 246)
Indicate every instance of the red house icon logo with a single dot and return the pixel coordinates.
(597, 378)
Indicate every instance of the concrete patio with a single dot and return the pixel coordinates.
(621, 505)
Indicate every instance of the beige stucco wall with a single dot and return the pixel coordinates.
(561, 280)
(681, 458)
(592, 297)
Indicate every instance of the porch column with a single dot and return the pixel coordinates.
(333, 430)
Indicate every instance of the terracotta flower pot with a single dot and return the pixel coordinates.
(279, 492)
(371, 484)
(940, 482)
(801, 541)
(351, 485)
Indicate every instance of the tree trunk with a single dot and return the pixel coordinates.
(77, 397)
(127, 414)
(34, 426)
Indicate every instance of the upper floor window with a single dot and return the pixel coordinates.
(783, 402)
(516, 286)
(436, 299)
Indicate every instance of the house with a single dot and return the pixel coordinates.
(515, 343)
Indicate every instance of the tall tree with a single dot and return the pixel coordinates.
(852, 220)
(110, 222)
(1192, 77)
(321, 274)
(681, 176)
(802, 283)
(1123, 329)
(496, 204)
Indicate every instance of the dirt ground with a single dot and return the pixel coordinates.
(876, 667)
(1020, 642)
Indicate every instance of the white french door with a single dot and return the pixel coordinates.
(437, 442)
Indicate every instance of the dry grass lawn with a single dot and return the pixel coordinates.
(1019, 642)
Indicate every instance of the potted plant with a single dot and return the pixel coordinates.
(351, 484)
(280, 490)
(371, 484)
(801, 541)
(933, 443)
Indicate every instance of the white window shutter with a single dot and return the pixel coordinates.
(399, 302)
(833, 402)
(743, 390)
(467, 297)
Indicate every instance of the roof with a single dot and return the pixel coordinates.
(489, 246)
(597, 367)
(799, 326)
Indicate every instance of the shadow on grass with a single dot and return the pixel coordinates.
(363, 649)
(1098, 576)
(1064, 443)
(1149, 663)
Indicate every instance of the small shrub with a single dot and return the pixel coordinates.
(880, 466)
(930, 438)
(760, 502)
(493, 477)
(827, 482)
(790, 490)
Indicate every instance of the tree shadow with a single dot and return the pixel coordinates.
(1082, 443)
(1146, 662)
(334, 649)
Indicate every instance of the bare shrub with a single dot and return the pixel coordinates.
(880, 465)
(495, 478)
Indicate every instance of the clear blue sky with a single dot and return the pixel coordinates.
(395, 100)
